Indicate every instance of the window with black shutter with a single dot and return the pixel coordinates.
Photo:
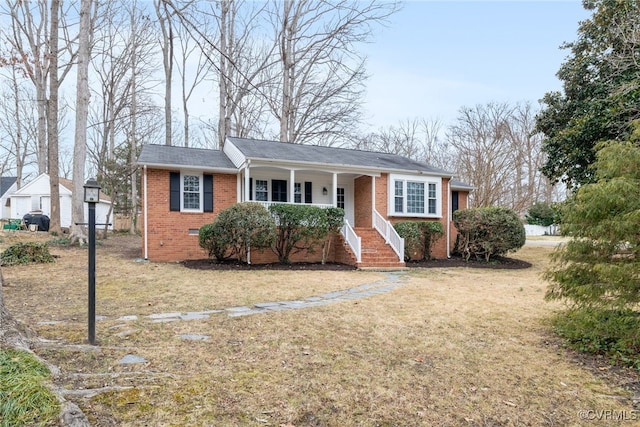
(207, 185)
(174, 191)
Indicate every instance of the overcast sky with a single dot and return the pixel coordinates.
(437, 56)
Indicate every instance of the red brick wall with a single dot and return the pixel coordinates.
(168, 232)
(169, 239)
(382, 198)
(337, 253)
(362, 201)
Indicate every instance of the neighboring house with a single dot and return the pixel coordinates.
(36, 197)
(8, 184)
(185, 188)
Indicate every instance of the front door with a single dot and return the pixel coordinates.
(278, 190)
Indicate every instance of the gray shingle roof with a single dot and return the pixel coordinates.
(455, 184)
(273, 150)
(5, 183)
(171, 156)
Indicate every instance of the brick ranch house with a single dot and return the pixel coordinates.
(185, 188)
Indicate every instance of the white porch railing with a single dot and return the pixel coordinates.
(389, 233)
(353, 240)
(320, 205)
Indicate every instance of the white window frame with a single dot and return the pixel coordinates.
(298, 192)
(391, 210)
(255, 189)
(183, 174)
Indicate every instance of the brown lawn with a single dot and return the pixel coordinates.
(451, 347)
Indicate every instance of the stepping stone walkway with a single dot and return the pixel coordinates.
(390, 282)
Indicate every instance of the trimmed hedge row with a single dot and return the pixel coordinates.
(285, 228)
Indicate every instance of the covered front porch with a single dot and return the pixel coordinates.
(355, 193)
(271, 184)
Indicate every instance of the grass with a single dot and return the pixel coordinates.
(24, 398)
(450, 347)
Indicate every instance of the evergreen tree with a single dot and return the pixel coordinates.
(600, 93)
(600, 266)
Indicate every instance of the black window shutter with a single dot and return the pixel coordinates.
(174, 191)
(250, 188)
(208, 192)
(307, 192)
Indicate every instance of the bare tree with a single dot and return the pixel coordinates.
(192, 73)
(52, 119)
(436, 150)
(165, 19)
(496, 149)
(28, 37)
(242, 59)
(36, 31)
(321, 72)
(18, 124)
(482, 151)
(82, 111)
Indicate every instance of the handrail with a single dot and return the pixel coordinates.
(320, 205)
(353, 240)
(391, 236)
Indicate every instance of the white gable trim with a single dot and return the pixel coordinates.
(234, 154)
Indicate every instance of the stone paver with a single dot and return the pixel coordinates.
(194, 337)
(389, 283)
(131, 359)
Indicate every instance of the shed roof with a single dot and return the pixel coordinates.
(6, 182)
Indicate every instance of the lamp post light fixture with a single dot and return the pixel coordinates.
(92, 196)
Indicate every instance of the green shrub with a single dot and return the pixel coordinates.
(431, 232)
(237, 228)
(611, 333)
(216, 240)
(301, 227)
(24, 399)
(333, 223)
(488, 232)
(412, 235)
(26, 253)
(419, 237)
(541, 214)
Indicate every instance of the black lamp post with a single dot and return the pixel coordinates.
(92, 196)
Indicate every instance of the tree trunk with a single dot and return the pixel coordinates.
(82, 112)
(132, 130)
(52, 120)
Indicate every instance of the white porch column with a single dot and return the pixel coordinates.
(373, 198)
(292, 187)
(334, 198)
(247, 190)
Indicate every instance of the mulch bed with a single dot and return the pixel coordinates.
(206, 264)
(500, 263)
